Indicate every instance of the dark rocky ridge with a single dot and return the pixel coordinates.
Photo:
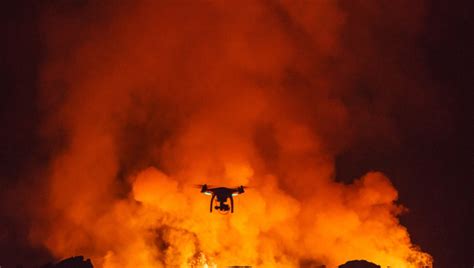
(73, 262)
(359, 264)
(79, 262)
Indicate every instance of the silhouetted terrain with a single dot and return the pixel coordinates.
(73, 262)
(79, 262)
(359, 264)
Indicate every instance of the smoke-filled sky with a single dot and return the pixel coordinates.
(346, 118)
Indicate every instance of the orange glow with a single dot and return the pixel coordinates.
(157, 97)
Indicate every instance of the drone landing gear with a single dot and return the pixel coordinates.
(212, 199)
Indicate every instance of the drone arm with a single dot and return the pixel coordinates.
(212, 199)
(231, 204)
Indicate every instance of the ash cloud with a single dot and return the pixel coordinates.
(151, 97)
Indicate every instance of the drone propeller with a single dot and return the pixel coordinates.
(240, 190)
(243, 187)
(199, 186)
(204, 188)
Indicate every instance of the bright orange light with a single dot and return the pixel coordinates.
(152, 96)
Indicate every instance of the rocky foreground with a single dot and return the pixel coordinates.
(80, 262)
(73, 262)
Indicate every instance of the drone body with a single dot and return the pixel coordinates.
(222, 194)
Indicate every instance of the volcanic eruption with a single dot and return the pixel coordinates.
(147, 98)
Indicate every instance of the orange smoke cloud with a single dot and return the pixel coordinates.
(153, 97)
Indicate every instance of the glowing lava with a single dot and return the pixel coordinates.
(155, 96)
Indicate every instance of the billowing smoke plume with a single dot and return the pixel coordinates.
(147, 98)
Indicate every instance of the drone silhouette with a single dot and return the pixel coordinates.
(222, 194)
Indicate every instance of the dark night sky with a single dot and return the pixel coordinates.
(431, 169)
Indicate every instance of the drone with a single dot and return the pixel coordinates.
(222, 194)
